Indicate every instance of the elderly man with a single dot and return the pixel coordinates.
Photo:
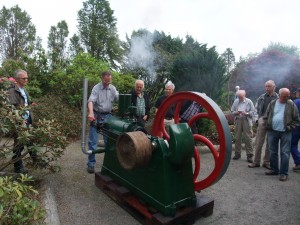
(19, 97)
(100, 105)
(140, 100)
(243, 111)
(169, 89)
(281, 116)
(261, 107)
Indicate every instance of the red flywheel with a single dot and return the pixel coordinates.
(221, 154)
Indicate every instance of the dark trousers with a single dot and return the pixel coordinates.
(18, 148)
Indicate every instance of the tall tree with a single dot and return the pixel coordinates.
(17, 33)
(229, 60)
(98, 31)
(75, 46)
(201, 69)
(57, 44)
(149, 56)
(290, 50)
(275, 65)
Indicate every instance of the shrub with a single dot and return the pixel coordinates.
(55, 109)
(45, 138)
(19, 202)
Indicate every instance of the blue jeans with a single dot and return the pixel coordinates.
(285, 148)
(294, 148)
(94, 137)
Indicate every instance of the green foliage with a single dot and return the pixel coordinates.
(19, 202)
(9, 66)
(57, 44)
(290, 50)
(17, 33)
(124, 83)
(45, 138)
(66, 118)
(98, 31)
(75, 47)
(68, 84)
(200, 69)
(149, 56)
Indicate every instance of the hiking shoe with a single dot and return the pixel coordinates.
(283, 177)
(253, 165)
(91, 169)
(21, 170)
(236, 157)
(271, 172)
(297, 167)
(267, 166)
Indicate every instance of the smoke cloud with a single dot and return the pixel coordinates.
(142, 54)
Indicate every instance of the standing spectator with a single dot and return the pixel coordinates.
(261, 107)
(140, 100)
(281, 116)
(100, 105)
(243, 111)
(169, 117)
(189, 109)
(237, 88)
(296, 136)
(19, 97)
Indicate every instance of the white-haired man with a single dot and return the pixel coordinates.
(169, 90)
(261, 107)
(243, 111)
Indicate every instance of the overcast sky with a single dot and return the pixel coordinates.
(246, 26)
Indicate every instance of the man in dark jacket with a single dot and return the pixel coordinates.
(281, 116)
(140, 100)
(19, 97)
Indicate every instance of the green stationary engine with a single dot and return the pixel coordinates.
(162, 168)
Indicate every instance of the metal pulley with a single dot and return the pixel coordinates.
(134, 150)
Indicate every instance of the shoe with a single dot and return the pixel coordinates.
(21, 170)
(267, 166)
(283, 177)
(249, 159)
(253, 165)
(297, 167)
(271, 172)
(91, 169)
(236, 157)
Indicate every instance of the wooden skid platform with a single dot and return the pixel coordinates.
(146, 215)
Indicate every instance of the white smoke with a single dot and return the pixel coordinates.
(142, 54)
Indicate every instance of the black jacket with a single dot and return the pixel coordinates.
(147, 104)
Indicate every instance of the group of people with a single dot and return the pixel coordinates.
(277, 119)
(101, 101)
(100, 104)
(276, 116)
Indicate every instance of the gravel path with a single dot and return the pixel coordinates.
(243, 196)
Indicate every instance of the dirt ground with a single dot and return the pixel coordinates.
(243, 196)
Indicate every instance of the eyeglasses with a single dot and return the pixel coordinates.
(24, 78)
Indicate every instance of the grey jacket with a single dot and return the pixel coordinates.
(260, 103)
(291, 115)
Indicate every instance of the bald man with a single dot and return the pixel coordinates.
(281, 116)
(243, 111)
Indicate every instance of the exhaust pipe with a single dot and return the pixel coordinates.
(84, 109)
